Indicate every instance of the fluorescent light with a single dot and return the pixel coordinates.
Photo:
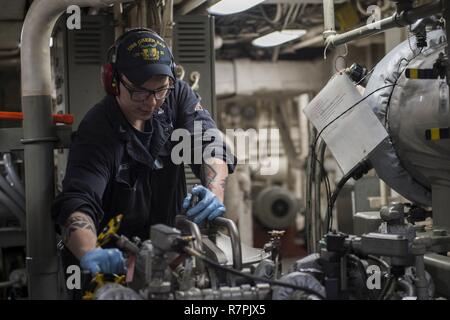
(232, 6)
(278, 37)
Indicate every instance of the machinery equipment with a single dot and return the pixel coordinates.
(194, 263)
(399, 255)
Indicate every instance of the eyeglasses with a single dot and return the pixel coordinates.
(143, 94)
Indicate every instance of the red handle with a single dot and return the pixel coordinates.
(57, 118)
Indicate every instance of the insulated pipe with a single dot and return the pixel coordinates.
(395, 21)
(39, 138)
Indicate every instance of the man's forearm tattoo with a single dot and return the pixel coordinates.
(208, 177)
(76, 222)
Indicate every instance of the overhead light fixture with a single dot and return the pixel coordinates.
(225, 7)
(278, 37)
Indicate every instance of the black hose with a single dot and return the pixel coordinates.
(356, 173)
(317, 189)
(310, 168)
(387, 285)
(380, 261)
(363, 272)
(334, 195)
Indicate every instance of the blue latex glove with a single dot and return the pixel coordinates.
(209, 206)
(103, 260)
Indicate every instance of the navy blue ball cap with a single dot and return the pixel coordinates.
(143, 54)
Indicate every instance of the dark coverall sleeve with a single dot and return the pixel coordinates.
(190, 111)
(88, 171)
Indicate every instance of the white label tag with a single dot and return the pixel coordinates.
(353, 135)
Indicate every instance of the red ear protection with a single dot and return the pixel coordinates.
(108, 81)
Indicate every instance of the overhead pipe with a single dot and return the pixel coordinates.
(328, 18)
(397, 20)
(38, 139)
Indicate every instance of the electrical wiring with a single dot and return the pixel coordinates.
(333, 197)
(349, 175)
(323, 172)
(197, 254)
(363, 78)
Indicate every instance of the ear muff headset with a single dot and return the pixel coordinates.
(109, 73)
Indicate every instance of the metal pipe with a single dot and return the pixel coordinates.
(311, 42)
(118, 28)
(13, 208)
(142, 14)
(39, 138)
(395, 21)
(235, 240)
(11, 193)
(182, 221)
(421, 281)
(8, 284)
(317, 181)
(384, 193)
(328, 18)
(167, 21)
(309, 221)
(446, 9)
(13, 174)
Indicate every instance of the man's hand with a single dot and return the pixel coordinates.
(209, 206)
(103, 260)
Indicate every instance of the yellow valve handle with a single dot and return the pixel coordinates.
(99, 280)
(110, 230)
